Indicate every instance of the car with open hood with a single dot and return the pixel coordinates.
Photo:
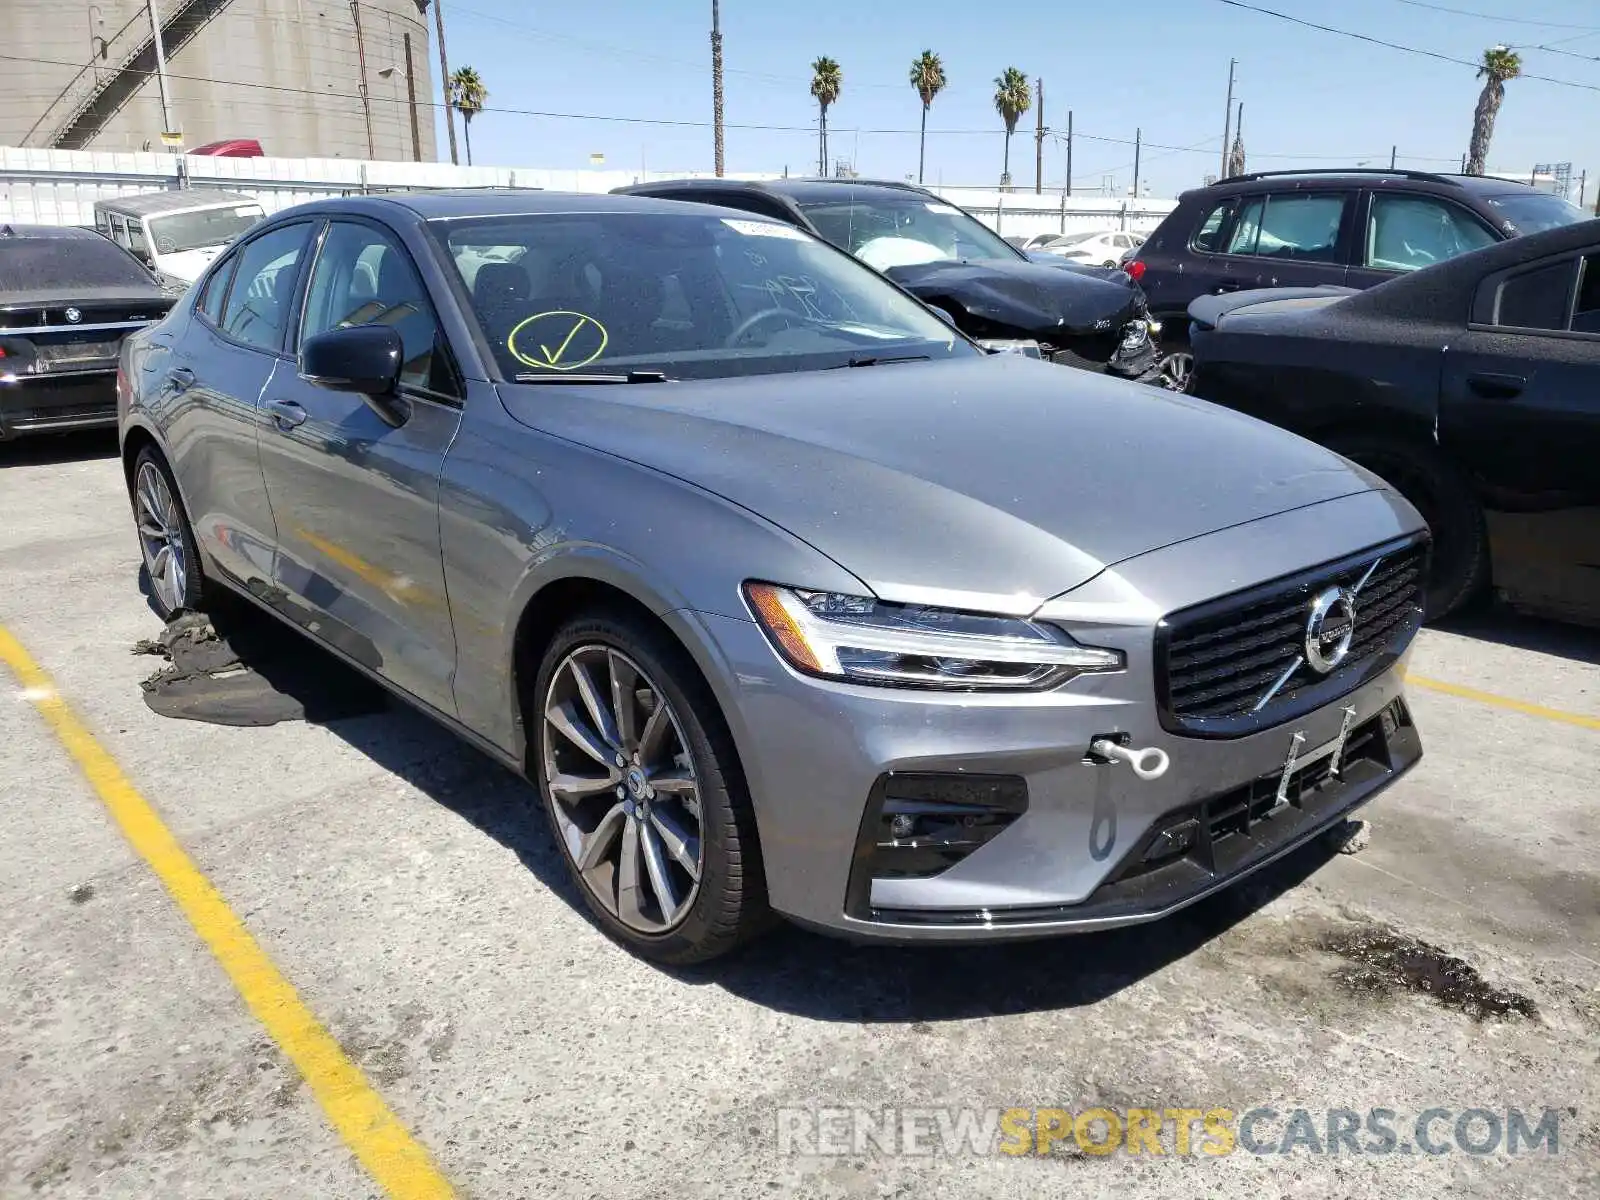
(782, 594)
(1084, 316)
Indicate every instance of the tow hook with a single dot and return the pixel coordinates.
(1150, 763)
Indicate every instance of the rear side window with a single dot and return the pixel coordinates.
(1290, 225)
(1209, 236)
(1405, 233)
(258, 304)
(1537, 299)
(215, 290)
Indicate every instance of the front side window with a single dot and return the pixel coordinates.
(215, 290)
(263, 288)
(1405, 233)
(137, 242)
(688, 295)
(208, 227)
(363, 277)
(895, 230)
(1290, 225)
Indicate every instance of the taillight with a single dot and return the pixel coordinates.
(123, 396)
(1135, 269)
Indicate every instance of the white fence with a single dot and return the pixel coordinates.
(60, 187)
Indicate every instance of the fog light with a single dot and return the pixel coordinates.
(901, 825)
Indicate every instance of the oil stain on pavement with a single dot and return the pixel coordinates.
(1381, 963)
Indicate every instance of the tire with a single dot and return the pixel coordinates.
(724, 903)
(1110, 264)
(1459, 567)
(1176, 365)
(166, 539)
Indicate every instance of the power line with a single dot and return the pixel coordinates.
(1461, 12)
(1362, 37)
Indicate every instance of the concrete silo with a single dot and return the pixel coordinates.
(307, 78)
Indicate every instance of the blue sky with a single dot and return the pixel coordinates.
(1160, 66)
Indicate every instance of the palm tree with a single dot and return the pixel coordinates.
(468, 94)
(1012, 98)
(1499, 65)
(826, 80)
(1236, 152)
(927, 76)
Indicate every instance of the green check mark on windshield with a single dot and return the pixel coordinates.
(554, 357)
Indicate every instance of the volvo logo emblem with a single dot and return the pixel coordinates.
(74, 316)
(1329, 629)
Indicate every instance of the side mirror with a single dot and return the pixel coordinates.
(944, 315)
(364, 359)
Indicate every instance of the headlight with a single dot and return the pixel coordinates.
(864, 640)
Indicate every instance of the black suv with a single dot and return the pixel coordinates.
(1085, 317)
(1346, 228)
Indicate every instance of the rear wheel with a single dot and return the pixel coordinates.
(1459, 568)
(643, 792)
(166, 542)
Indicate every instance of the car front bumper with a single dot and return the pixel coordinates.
(1092, 846)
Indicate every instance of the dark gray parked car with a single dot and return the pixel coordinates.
(784, 594)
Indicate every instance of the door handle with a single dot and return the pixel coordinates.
(1493, 386)
(182, 379)
(286, 414)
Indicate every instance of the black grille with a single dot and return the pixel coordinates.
(1216, 661)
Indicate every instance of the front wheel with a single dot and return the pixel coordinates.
(1177, 369)
(1459, 564)
(642, 789)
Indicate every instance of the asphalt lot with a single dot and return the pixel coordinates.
(397, 879)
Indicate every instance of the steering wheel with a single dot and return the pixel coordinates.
(1420, 253)
(756, 319)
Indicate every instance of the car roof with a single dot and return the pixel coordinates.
(148, 204)
(46, 232)
(1479, 185)
(799, 189)
(460, 203)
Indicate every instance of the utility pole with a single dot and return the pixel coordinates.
(1393, 150)
(1583, 183)
(444, 80)
(161, 68)
(1068, 192)
(1227, 120)
(1038, 145)
(716, 85)
(1138, 144)
(411, 100)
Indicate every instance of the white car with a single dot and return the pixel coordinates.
(1103, 248)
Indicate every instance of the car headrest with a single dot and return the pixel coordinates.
(498, 283)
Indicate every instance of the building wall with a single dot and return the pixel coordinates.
(302, 54)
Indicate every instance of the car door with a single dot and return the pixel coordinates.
(1285, 239)
(213, 373)
(1406, 231)
(1520, 409)
(356, 501)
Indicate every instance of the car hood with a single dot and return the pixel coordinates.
(1028, 296)
(995, 481)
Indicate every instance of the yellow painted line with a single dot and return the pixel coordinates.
(390, 1154)
(1521, 706)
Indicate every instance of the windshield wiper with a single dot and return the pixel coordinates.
(630, 377)
(872, 360)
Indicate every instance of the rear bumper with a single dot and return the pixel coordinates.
(57, 403)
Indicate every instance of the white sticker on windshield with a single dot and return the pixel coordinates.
(764, 229)
(943, 210)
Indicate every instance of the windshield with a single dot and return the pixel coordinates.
(892, 230)
(689, 296)
(67, 264)
(1534, 212)
(207, 227)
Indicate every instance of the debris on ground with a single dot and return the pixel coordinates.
(1351, 836)
(251, 673)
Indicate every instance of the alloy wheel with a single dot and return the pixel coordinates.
(623, 788)
(161, 537)
(1176, 369)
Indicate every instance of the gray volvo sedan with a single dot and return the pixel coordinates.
(784, 595)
